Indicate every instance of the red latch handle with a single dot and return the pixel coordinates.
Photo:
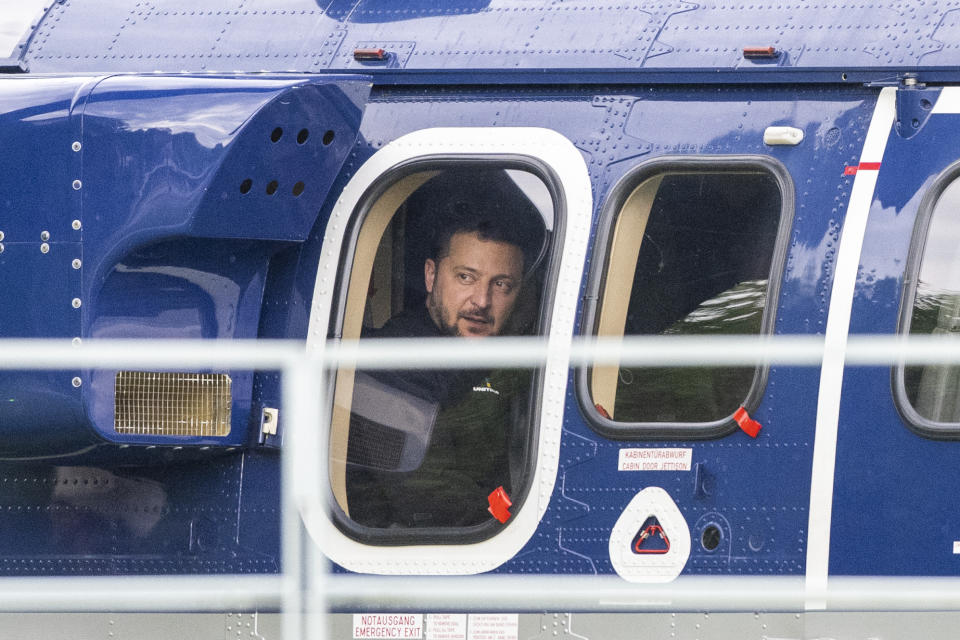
(750, 426)
(499, 503)
(650, 531)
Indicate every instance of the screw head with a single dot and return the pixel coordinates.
(76, 303)
(76, 264)
(1, 236)
(76, 146)
(44, 248)
(44, 235)
(76, 185)
(76, 382)
(76, 225)
(76, 342)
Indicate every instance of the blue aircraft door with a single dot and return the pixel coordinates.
(742, 489)
(889, 506)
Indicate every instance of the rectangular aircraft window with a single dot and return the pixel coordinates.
(689, 249)
(929, 395)
(452, 251)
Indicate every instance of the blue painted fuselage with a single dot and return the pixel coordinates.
(172, 174)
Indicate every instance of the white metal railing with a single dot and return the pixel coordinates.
(305, 589)
(800, 350)
(512, 593)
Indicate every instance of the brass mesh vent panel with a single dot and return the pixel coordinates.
(172, 404)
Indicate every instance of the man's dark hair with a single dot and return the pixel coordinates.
(486, 227)
(486, 202)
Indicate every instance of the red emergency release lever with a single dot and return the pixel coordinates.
(500, 504)
(649, 532)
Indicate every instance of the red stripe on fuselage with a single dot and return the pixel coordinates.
(863, 166)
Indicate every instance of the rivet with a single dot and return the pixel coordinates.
(76, 263)
(76, 146)
(1, 247)
(76, 303)
(1, 236)
(76, 225)
(76, 382)
(44, 235)
(76, 185)
(44, 248)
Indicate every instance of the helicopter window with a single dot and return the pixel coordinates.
(928, 395)
(690, 248)
(448, 250)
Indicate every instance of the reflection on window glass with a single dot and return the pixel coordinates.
(690, 255)
(454, 253)
(934, 390)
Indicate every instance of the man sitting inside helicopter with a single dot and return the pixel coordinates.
(427, 447)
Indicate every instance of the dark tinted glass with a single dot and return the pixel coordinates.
(702, 269)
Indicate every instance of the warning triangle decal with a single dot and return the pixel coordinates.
(651, 538)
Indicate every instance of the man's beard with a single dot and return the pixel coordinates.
(442, 319)
(439, 316)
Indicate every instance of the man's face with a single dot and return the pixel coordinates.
(472, 290)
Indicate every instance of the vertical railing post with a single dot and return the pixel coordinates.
(304, 470)
(313, 481)
(290, 531)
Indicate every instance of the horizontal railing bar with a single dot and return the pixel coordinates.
(477, 593)
(140, 593)
(861, 350)
(53, 354)
(517, 593)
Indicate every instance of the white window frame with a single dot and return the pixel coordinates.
(555, 152)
